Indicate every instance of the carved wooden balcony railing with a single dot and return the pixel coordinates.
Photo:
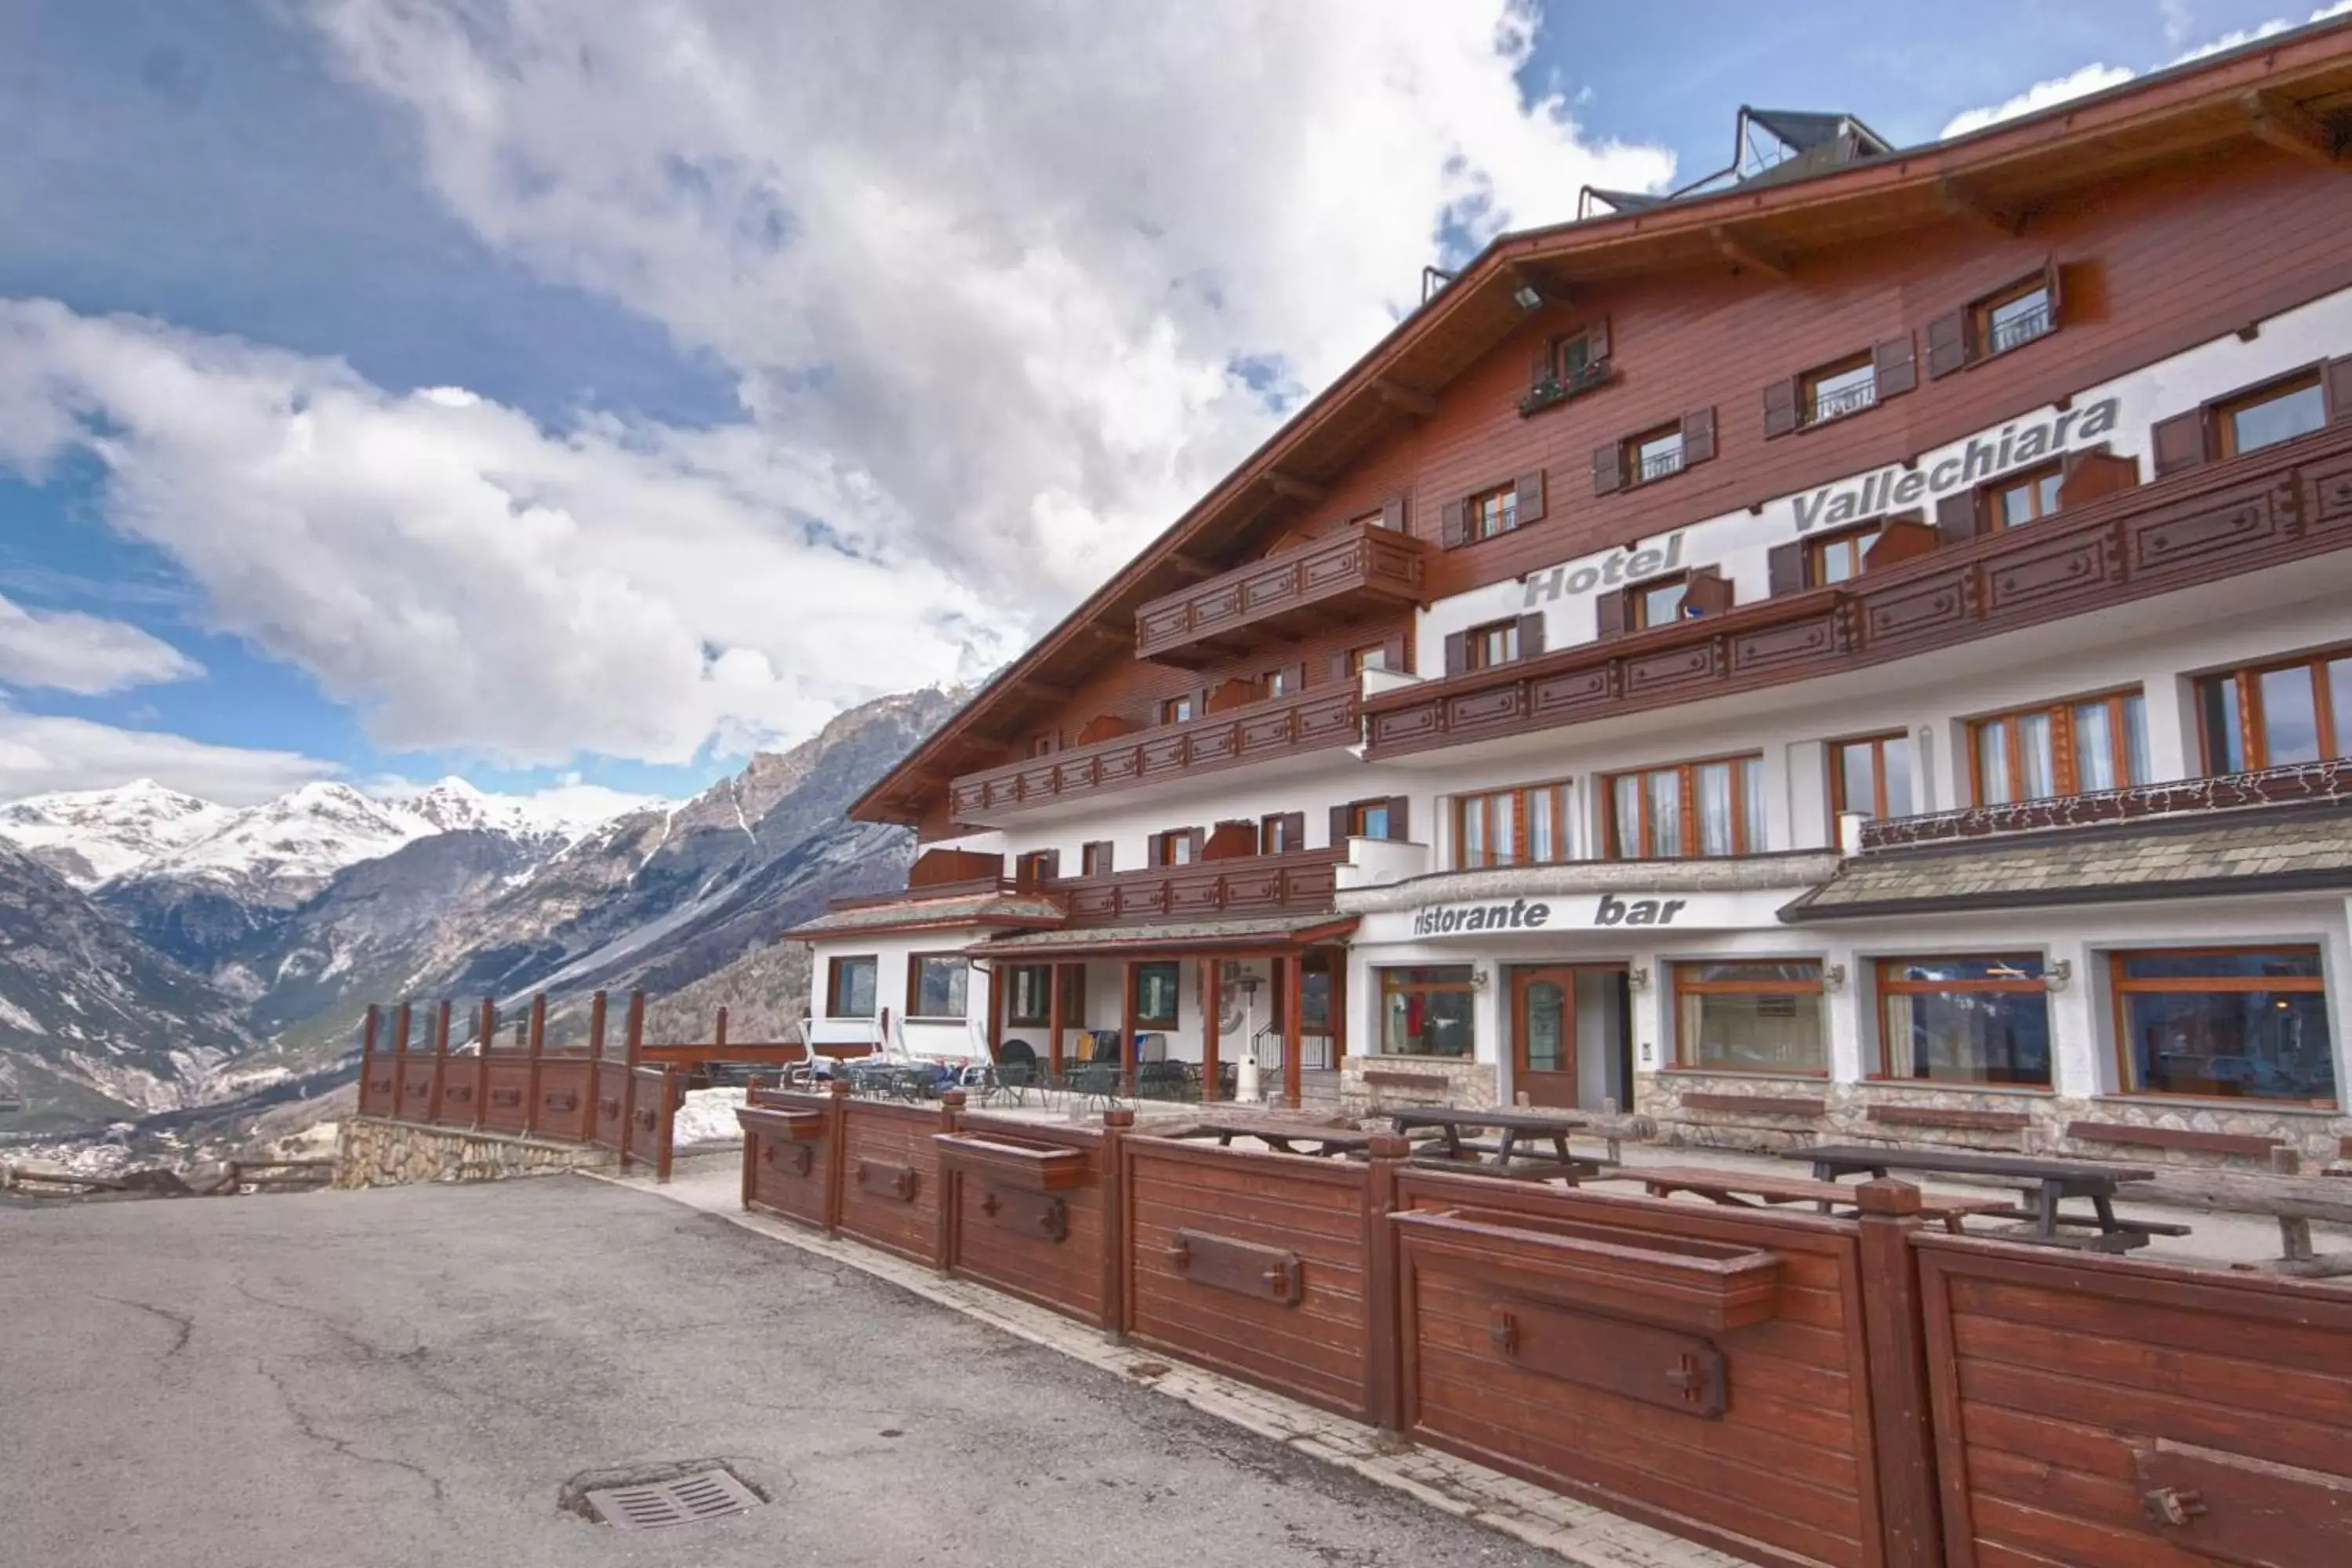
(1299, 883)
(2319, 783)
(1311, 719)
(1360, 567)
(2283, 504)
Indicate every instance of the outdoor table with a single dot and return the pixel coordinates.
(1735, 1189)
(2044, 1182)
(1282, 1137)
(1538, 1126)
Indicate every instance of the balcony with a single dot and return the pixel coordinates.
(1242, 886)
(2268, 507)
(1315, 718)
(2321, 783)
(1358, 569)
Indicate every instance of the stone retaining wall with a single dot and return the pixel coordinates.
(373, 1152)
(1443, 1080)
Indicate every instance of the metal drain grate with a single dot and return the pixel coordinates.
(688, 1499)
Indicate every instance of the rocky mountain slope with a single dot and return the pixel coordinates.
(94, 1022)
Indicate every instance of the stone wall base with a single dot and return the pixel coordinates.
(1370, 1086)
(371, 1152)
(1906, 1114)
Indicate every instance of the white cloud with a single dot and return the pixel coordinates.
(2094, 79)
(39, 754)
(87, 655)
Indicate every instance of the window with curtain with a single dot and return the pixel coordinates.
(849, 986)
(2269, 716)
(1714, 808)
(935, 984)
(1155, 995)
(1871, 775)
(1425, 1011)
(1028, 994)
(2234, 1023)
(1750, 1017)
(2067, 748)
(1522, 826)
(1964, 1020)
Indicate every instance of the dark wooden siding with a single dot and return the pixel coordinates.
(779, 1178)
(1065, 1275)
(882, 1140)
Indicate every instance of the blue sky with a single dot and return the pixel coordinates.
(728, 455)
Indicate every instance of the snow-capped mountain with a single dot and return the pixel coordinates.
(93, 836)
(286, 851)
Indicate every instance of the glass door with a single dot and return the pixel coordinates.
(1543, 1036)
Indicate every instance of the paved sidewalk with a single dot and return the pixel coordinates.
(1581, 1533)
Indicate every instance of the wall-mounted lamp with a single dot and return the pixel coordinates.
(1637, 979)
(1833, 977)
(1478, 978)
(1527, 297)
(2056, 976)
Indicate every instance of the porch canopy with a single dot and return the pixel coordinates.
(1282, 939)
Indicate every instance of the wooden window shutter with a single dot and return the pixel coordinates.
(1708, 594)
(2338, 377)
(1155, 849)
(2050, 274)
(1531, 504)
(1393, 513)
(1531, 633)
(2093, 473)
(1959, 518)
(1608, 469)
(1781, 407)
(1596, 342)
(1698, 436)
(2180, 442)
(1393, 653)
(1298, 675)
(1339, 670)
(1609, 614)
(1397, 826)
(1339, 814)
(1294, 831)
(1539, 363)
(1453, 525)
(1948, 343)
(1199, 837)
(1896, 366)
(1784, 569)
(1095, 858)
(1457, 652)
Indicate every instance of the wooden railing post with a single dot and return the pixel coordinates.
(950, 1119)
(367, 1055)
(666, 1123)
(1213, 1003)
(632, 1046)
(485, 1031)
(538, 1044)
(596, 1027)
(1895, 1333)
(440, 1056)
(1383, 1285)
(400, 1061)
(837, 1152)
(1115, 1228)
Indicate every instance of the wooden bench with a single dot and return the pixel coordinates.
(1734, 1189)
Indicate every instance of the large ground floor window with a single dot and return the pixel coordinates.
(1155, 995)
(1964, 1020)
(1425, 1011)
(937, 985)
(1752, 1017)
(2233, 1022)
(849, 986)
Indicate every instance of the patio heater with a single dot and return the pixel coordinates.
(1245, 1087)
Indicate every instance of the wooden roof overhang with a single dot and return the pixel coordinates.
(1174, 939)
(2291, 91)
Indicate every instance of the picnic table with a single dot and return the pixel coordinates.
(2044, 1183)
(1537, 1126)
(1735, 1189)
(1281, 1136)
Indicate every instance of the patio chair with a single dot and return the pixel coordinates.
(1017, 1070)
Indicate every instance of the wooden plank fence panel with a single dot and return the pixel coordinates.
(567, 1108)
(881, 1145)
(1002, 1230)
(788, 1156)
(506, 1094)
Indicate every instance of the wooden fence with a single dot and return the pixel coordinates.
(1788, 1387)
(576, 1092)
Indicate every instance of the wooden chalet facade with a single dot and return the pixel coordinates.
(1860, 645)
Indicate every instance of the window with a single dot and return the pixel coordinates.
(2018, 314)
(1871, 775)
(1368, 819)
(2273, 715)
(1044, 743)
(1028, 996)
(1838, 557)
(2238, 1023)
(1964, 1020)
(1177, 710)
(1176, 846)
(935, 985)
(2269, 414)
(1155, 995)
(1749, 1017)
(849, 987)
(1094, 859)
(1483, 648)
(1835, 391)
(1693, 808)
(1283, 681)
(1654, 454)
(1656, 603)
(1425, 1012)
(2018, 499)
(1037, 866)
(1522, 826)
(2072, 748)
(1494, 511)
(1371, 656)
(1282, 833)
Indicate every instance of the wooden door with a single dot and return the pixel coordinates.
(1543, 1035)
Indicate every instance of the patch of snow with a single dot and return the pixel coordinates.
(15, 1017)
(707, 1116)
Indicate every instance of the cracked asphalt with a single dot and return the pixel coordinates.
(412, 1377)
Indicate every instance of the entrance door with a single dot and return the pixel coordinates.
(1543, 1035)
(1570, 1043)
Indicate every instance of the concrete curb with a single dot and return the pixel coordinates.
(1577, 1531)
